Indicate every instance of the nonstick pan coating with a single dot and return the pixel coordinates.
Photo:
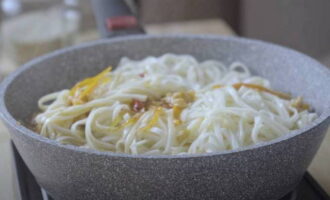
(266, 171)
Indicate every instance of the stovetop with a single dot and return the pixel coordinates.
(28, 189)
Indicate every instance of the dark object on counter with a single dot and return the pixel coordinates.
(114, 18)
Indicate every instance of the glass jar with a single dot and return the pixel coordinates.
(35, 27)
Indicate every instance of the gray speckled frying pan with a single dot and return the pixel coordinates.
(264, 171)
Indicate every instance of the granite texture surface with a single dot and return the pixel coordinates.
(265, 171)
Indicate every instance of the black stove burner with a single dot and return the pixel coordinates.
(28, 189)
(291, 196)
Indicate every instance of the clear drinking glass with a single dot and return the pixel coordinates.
(31, 28)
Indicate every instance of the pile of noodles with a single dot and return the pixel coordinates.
(171, 104)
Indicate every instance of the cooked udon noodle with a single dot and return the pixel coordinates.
(171, 104)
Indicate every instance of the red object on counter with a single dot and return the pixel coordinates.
(121, 22)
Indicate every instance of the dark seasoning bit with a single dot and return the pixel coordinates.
(137, 105)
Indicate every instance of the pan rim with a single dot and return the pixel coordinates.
(13, 123)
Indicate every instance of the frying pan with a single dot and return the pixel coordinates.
(267, 170)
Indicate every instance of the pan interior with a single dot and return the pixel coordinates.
(287, 70)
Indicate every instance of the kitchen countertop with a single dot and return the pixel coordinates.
(320, 167)
(6, 182)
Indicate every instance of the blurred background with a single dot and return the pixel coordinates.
(30, 28)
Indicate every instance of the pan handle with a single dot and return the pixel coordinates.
(115, 18)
